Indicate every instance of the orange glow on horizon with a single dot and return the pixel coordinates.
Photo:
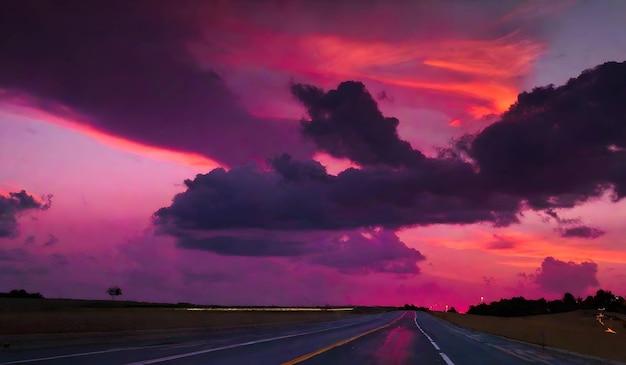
(526, 248)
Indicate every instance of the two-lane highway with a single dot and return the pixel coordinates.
(425, 339)
(388, 338)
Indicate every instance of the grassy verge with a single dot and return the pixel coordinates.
(41, 316)
(577, 331)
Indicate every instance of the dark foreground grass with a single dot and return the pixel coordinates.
(41, 316)
(577, 331)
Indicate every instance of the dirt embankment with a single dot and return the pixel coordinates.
(577, 331)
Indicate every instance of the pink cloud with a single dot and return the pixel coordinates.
(557, 276)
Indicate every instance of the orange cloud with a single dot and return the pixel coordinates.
(486, 73)
(496, 64)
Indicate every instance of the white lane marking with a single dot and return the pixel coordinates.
(446, 358)
(189, 354)
(443, 356)
(70, 355)
(425, 334)
(153, 346)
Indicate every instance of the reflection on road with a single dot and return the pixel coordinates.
(396, 349)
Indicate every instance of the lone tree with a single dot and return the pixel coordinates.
(114, 291)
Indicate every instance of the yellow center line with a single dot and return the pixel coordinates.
(340, 343)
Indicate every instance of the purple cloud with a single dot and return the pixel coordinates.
(52, 240)
(500, 244)
(581, 232)
(557, 276)
(360, 251)
(373, 251)
(572, 227)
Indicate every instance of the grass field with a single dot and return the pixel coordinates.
(39, 316)
(577, 331)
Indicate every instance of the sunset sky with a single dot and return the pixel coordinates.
(313, 152)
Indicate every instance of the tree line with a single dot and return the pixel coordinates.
(520, 306)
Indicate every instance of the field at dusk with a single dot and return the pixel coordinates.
(313, 153)
(577, 331)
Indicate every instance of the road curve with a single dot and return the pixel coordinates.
(388, 338)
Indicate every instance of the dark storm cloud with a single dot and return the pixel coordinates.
(242, 246)
(559, 276)
(125, 66)
(15, 204)
(249, 198)
(581, 232)
(555, 148)
(560, 146)
(346, 122)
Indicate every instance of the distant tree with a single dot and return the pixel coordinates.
(483, 309)
(114, 291)
(602, 298)
(569, 302)
(556, 306)
(21, 293)
(452, 310)
(588, 303)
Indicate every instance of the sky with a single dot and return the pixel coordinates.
(311, 153)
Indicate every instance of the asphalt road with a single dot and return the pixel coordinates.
(388, 338)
